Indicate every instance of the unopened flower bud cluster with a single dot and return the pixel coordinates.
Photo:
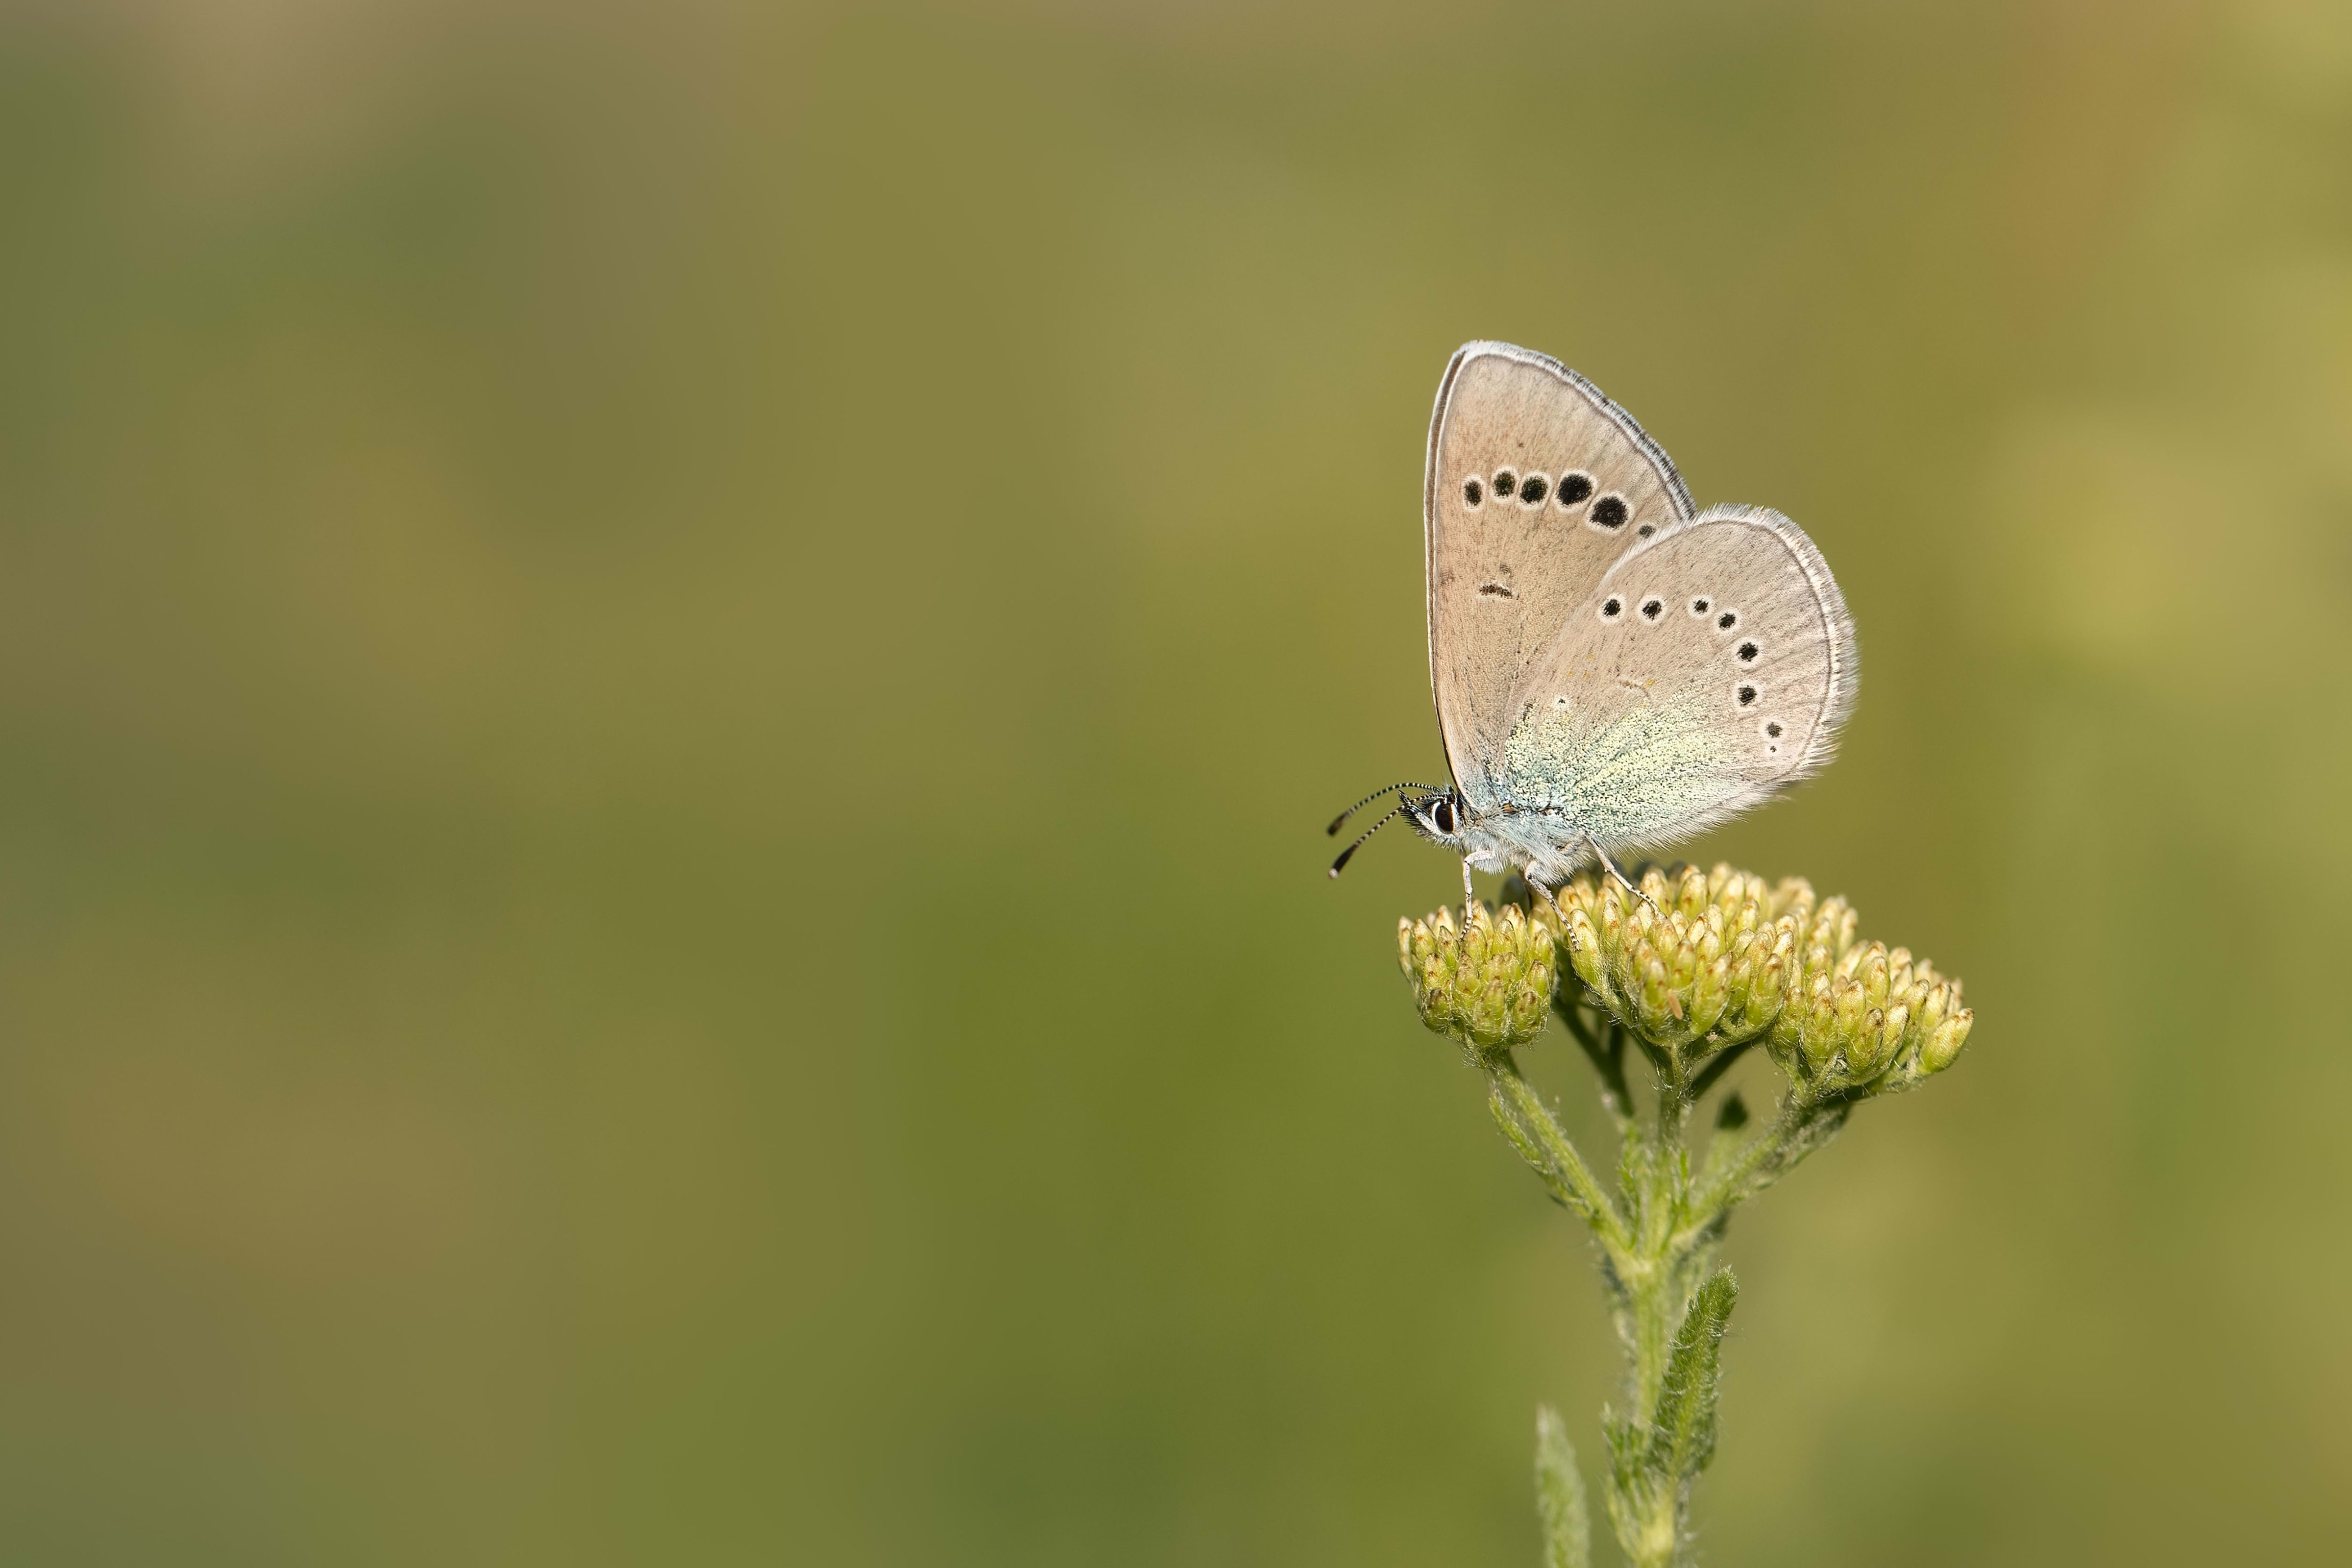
(1704, 960)
(1489, 983)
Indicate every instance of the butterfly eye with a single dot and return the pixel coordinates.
(1610, 608)
(1608, 513)
(1574, 488)
(1505, 482)
(1747, 696)
(1442, 814)
(1533, 488)
(1652, 608)
(1473, 492)
(1725, 621)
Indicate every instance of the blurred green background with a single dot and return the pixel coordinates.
(670, 673)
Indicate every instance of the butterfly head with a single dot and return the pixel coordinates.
(1437, 816)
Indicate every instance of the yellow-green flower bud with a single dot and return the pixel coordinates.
(1934, 1006)
(1710, 994)
(1941, 1046)
(1690, 891)
(1864, 1045)
(1760, 1004)
(1809, 1023)
(1847, 1017)
(1682, 965)
(1651, 1000)
(1876, 975)
(1584, 950)
(1898, 1025)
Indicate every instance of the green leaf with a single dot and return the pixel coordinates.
(1626, 1447)
(1631, 1490)
(1559, 1496)
(1682, 1440)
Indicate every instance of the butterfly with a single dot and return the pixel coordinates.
(1613, 669)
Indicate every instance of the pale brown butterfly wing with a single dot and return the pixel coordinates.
(1508, 569)
(1711, 665)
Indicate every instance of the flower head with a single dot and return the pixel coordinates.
(1700, 961)
(1486, 983)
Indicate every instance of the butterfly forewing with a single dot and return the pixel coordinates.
(1536, 484)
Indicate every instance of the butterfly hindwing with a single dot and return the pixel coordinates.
(1709, 666)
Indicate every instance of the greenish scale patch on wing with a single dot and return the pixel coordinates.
(1636, 774)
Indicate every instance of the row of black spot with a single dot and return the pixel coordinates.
(1609, 512)
(1653, 607)
(1573, 487)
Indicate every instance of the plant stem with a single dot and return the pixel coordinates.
(1654, 1283)
(1658, 1234)
(1656, 1237)
(1645, 1278)
(1564, 1170)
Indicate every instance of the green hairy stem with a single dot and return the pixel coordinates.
(1680, 977)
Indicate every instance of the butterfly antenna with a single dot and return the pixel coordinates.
(1341, 863)
(1334, 830)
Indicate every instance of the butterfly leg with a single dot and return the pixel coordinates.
(1467, 898)
(1611, 867)
(1547, 892)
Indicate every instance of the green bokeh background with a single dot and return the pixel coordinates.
(669, 678)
